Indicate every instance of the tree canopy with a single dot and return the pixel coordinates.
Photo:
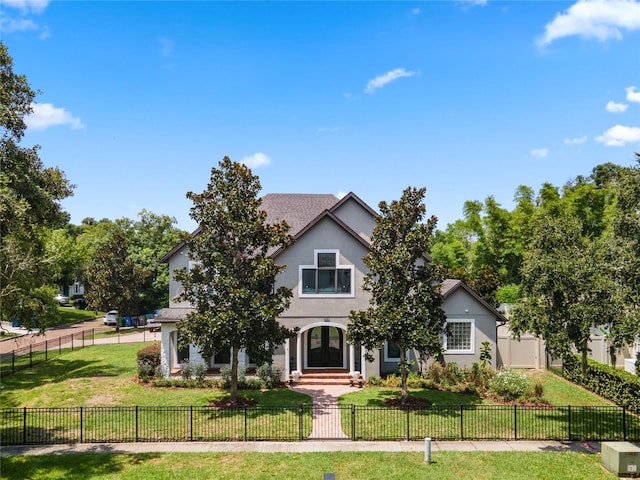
(405, 305)
(30, 196)
(231, 282)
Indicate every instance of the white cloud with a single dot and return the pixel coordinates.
(415, 11)
(10, 25)
(540, 152)
(45, 115)
(34, 6)
(341, 194)
(575, 141)
(256, 160)
(619, 136)
(632, 95)
(614, 107)
(381, 80)
(600, 19)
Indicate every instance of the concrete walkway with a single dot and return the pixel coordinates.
(326, 415)
(300, 447)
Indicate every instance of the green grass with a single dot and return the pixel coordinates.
(305, 466)
(73, 315)
(559, 391)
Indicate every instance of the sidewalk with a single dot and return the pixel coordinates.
(301, 447)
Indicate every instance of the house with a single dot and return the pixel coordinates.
(325, 271)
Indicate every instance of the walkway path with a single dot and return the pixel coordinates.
(326, 414)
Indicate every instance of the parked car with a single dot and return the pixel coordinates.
(62, 299)
(111, 318)
(80, 303)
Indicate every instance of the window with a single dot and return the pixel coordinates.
(391, 351)
(326, 276)
(461, 336)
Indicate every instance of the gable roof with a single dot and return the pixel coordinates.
(297, 209)
(450, 285)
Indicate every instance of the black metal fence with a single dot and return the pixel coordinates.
(40, 426)
(27, 357)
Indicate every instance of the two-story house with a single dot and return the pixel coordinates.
(325, 271)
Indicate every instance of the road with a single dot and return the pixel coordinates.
(96, 325)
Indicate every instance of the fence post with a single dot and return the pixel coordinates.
(245, 423)
(569, 421)
(81, 433)
(461, 423)
(408, 432)
(13, 361)
(83, 332)
(515, 422)
(72, 342)
(300, 411)
(353, 422)
(191, 423)
(46, 350)
(624, 423)
(30, 356)
(136, 423)
(59, 346)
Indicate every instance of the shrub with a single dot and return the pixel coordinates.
(435, 372)
(225, 374)
(269, 375)
(375, 381)
(509, 385)
(199, 370)
(181, 383)
(186, 369)
(148, 360)
(618, 386)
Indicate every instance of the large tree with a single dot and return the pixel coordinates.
(405, 306)
(231, 283)
(112, 278)
(30, 196)
(149, 238)
(567, 286)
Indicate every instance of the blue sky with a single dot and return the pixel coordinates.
(139, 100)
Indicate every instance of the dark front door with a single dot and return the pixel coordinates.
(325, 346)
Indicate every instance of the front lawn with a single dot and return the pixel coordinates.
(305, 466)
(73, 315)
(105, 375)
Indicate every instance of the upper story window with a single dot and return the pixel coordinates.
(326, 277)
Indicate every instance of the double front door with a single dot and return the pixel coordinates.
(325, 347)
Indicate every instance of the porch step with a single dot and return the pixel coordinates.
(337, 377)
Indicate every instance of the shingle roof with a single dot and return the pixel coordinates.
(450, 285)
(298, 209)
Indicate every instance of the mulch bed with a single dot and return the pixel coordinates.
(412, 403)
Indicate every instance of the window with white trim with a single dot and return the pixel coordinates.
(391, 351)
(326, 277)
(461, 338)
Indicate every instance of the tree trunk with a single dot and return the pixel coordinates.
(233, 393)
(403, 376)
(584, 351)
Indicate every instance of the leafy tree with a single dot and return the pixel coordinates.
(113, 279)
(232, 283)
(30, 196)
(149, 238)
(405, 306)
(567, 287)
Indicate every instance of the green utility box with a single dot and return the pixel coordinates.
(621, 458)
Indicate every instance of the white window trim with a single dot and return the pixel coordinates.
(315, 267)
(472, 350)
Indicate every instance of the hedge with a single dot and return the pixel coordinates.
(618, 386)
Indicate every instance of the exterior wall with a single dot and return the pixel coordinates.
(326, 235)
(462, 306)
(354, 215)
(178, 261)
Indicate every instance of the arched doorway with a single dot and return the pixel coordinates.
(325, 347)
